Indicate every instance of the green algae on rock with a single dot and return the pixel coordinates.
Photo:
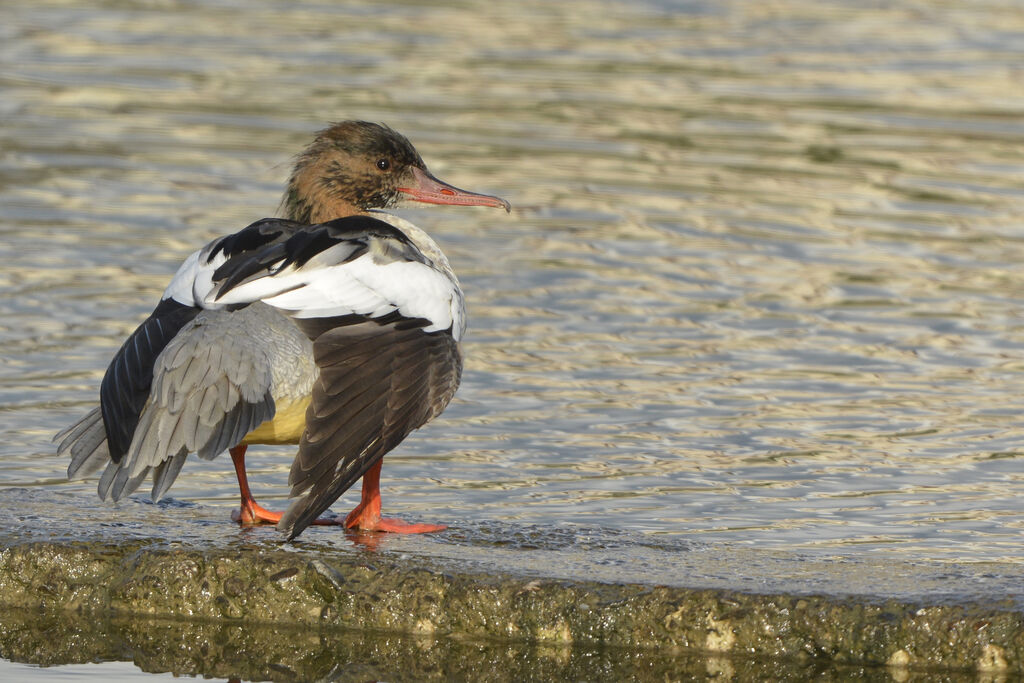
(240, 590)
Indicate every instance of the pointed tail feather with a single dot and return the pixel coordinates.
(86, 441)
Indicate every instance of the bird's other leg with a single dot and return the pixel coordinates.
(366, 515)
(252, 512)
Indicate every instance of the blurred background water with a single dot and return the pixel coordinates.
(760, 288)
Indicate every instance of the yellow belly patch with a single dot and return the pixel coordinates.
(286, 426)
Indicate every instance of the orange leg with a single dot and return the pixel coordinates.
(367, 517)
(251, 512)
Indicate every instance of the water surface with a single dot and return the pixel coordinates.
(760, 290)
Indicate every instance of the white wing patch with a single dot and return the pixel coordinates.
(193, 282)
(360, 287)
(323, 288)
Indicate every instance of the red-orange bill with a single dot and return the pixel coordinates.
(430, 190)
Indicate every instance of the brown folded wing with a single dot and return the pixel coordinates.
(379, 380)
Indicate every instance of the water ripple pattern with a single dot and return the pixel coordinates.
(761, 286)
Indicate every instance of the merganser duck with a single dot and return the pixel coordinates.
(336, 328)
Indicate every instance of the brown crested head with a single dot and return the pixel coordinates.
(353, 166)
(348, 168)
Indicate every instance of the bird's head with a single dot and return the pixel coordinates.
(353, 166)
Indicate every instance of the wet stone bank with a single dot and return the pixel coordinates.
(266, 613)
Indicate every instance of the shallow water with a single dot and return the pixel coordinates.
(760, 288)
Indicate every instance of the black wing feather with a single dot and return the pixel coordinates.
(129, 376)
(254, 237)
(293, 246)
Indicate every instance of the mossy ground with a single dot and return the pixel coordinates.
(268, 613)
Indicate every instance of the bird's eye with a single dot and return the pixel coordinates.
(384, 164)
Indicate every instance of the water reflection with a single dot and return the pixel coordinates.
(234, 651)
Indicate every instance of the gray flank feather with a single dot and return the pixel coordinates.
(165, 474)
(116, 483)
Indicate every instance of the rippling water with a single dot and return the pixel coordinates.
(761, 286)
